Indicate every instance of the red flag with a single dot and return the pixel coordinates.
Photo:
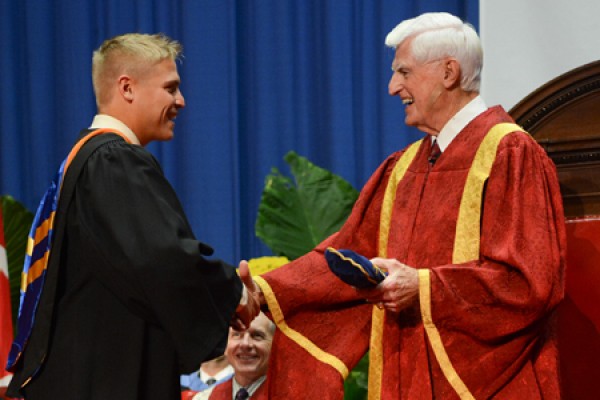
(6, 326)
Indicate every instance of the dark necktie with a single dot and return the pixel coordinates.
(434, 154)
(241, 394)
(210, 381)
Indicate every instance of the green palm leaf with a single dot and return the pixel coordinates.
(356, 385)
(17, 222)
(295, 216)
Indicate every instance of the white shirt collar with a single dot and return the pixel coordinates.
(228, 370)
(106, 121)
(253, 387)
(458, 122)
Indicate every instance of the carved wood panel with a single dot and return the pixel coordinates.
(564, 117)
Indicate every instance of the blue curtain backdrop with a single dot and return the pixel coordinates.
(260, 78)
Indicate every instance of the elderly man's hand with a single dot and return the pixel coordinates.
(398, 290)
(249, 306)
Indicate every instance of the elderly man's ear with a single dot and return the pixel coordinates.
(451, 73)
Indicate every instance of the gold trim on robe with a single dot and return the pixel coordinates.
(296, 336)
(466, 243)
(378, 318)
(436, 340)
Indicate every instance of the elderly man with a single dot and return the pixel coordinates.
(468, 223)
(248, 351)
(129, 299)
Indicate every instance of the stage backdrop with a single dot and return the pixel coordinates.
(260, 78)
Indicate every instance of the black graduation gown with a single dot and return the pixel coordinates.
(136, 302)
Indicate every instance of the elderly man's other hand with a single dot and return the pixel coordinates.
(398, 290)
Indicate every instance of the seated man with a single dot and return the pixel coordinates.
(248, 352)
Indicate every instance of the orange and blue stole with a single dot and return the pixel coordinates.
(39, 246)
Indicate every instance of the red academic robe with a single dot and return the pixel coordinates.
(488, 318)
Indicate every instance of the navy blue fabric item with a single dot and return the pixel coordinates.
(353, 268)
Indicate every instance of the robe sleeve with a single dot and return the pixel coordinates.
(148, 256)
(497, 307)
(323, 325)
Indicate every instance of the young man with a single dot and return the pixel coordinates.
(469, 224)
(132, 302)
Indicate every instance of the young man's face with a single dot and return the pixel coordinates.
(157, 101)
(248, 351)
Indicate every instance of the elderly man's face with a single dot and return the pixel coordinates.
(248, 351)
(420, 87)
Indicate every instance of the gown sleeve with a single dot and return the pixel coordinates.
(519, 275)
(323, 324)
(499, 306)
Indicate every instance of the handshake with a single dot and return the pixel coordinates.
(251, 300)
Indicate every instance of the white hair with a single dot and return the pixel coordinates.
(439, 35)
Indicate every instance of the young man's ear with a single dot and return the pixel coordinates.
(126, 87)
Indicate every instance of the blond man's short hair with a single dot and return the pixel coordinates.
(132, 54)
